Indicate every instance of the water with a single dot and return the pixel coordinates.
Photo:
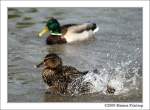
(116, 53)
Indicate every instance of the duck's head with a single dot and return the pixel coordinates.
(52, 26)
(52, 61)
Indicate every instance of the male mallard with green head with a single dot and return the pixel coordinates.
(56, 75)
(68, 33)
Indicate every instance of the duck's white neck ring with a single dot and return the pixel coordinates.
(56, 34)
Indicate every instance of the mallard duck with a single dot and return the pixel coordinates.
(56, 75)
(68, 33)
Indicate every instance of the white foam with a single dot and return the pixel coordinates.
(99, 80)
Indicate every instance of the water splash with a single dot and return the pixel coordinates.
(123, 78)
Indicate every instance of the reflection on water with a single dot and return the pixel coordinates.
(116, 53)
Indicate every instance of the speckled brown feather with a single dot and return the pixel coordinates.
(57, 76)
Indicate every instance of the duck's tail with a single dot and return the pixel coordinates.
(85, 72)
(96, 29)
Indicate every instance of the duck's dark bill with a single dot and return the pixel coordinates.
(39, 65)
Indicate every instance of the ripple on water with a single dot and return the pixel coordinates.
(27, 18)
(24, 24)
(14, 13)
(32, 10)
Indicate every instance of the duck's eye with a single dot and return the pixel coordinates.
(45, 60)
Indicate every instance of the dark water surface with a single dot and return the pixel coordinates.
(116, 53)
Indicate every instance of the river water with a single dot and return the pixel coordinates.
(116, 53)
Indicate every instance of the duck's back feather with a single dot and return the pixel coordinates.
(78, 28)
(72, 73)
(65, 27)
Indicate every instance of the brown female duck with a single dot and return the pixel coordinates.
(56, 75)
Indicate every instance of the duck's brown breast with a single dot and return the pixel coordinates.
(50, 76)
(55, 40)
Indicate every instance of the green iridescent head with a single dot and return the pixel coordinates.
(52, 26)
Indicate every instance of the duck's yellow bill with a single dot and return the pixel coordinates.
(44, 31)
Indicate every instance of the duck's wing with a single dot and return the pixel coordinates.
(72, 73)
(82, 27)
(65, 27)
(68, 25)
